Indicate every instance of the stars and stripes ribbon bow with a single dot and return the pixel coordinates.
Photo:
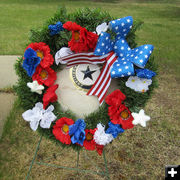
(126, 57)
(118, 57)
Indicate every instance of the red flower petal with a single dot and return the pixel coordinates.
(45, 76)
(71, 26)
(47, 59)
(50, 95)
(82, 40)
(99, 149)
(115, 116)
(115, 98)
(89, 144)
(59, 134)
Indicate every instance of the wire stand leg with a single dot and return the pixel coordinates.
(105, 162)
(37, 148)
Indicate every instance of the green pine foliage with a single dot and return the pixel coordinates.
(90, 19)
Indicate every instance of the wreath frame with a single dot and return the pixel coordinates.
(90, 19)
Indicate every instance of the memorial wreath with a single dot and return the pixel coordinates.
(88, 37)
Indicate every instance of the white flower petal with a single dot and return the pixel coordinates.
(38, 114)
(39, 105)
(34, 125)
(102, 28)
(101, 137)
(64, 51)
(50, 108)
(138, 84)
(28, 115)
(47, 119)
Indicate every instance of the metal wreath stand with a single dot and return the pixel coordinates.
(34, 161)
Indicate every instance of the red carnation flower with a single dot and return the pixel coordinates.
(50, 95)
(43, 51)
(99, 149)
(61, 130)
(89, 143)
(82, 40)
(115, 98)
(45, 76)
(121, 115)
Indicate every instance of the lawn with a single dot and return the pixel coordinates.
(161, 23)
(138, 154)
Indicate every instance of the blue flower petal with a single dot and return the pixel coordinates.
(31, 61)
(55, 28)
(145, 73)
(114, 129)
(77, 132)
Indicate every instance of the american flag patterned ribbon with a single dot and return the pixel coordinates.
(103, 81)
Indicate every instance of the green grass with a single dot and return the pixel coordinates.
(161, 23)
(139, 153)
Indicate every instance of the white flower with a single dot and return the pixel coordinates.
(35, 87)
(102, 28)
(140, 118)
(38, 114)
(64, 51)
(100, 137)
(138, 84)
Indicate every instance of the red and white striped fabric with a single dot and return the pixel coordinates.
(82, 58)
(102, 83)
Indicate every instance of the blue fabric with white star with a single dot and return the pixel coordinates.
(104, 45)
(114, 129)
(145, 73)
(127, 57)
(55, 28)
(121, 26)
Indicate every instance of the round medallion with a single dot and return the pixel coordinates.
(84, 75)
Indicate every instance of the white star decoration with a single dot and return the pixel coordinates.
(128, 20)
(35, 87)
(140, 118)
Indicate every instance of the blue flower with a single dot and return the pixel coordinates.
(77, 132)
(114, 129)
(145, 73)
(56, 28)
(31, 61)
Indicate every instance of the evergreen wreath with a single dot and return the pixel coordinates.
(113, 117)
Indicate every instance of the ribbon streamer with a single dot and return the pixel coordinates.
(82, 58)
(102, 83)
